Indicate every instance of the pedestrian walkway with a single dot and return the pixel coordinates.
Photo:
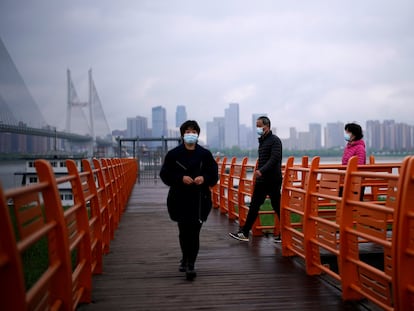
(141, 270)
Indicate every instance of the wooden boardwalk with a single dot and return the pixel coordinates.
(141, 270)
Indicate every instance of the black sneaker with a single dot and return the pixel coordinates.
(239, 236)
(183, 266)
(278, 239)
(190, 273)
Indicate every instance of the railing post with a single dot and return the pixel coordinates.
(402, 242)
(348, 271)
(285, 219)
(12, 290)
(310, 184)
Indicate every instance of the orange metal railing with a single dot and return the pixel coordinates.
(403, 242)
(76, 237)
(337, 210)
(340, 211)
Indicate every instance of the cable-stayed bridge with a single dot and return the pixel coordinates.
(23, 129)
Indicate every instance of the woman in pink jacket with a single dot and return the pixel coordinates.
(356, 145)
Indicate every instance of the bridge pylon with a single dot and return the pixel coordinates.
(87, 117)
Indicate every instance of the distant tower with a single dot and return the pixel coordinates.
(215, 133)
(334, 135)
(89, 115)
(180, 115)
(137, 127)
(374, 134)
(231, 130)
(315, 130)
(159, 122)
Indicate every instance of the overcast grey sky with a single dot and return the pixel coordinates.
(298, 61)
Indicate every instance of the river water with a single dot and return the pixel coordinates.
(9, 168)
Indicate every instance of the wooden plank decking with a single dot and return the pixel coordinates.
(141, 270)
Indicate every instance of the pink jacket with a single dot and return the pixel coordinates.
(355, 148)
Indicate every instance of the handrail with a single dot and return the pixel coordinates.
(81, 232)
(331, 218)
(325, 199)
(225, 185)
(373, 222)
(403, 242)
(215, 193)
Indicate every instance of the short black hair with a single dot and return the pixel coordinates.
(355, 129)
(189, 125)
(265, 120)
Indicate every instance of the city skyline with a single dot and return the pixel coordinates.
(379, 135)
(298, 62)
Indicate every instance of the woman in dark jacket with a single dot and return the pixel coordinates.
(189, 170)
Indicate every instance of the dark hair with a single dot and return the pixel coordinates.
(355, 129)
(265, 120)
(189, 125)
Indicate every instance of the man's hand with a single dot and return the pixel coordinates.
(257, 173)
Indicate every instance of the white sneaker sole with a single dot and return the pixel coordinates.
(237, 238)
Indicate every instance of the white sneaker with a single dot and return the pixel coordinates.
(239, 236)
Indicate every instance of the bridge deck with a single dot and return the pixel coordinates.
(141, 271)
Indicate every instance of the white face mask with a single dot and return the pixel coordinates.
(190, 138)
(259, 131)
(347, 137)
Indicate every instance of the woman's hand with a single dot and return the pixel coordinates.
(199, 180)
(187, 180)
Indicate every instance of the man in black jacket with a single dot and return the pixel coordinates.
(189, 170)
(268, 177)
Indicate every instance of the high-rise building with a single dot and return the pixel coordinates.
(293, 139)
(373, 135)
(315, 131)
(304, 141)
(231, 126)
(389, 135)
(180, 115)
(215, 133)
(403, 136)
(334, 135)
(159, 122)
(137, 127)
(245, 133)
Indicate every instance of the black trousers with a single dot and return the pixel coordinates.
(189, 236)
(260, 192)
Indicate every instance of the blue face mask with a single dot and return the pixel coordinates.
(259, 131)
(190, 138)
(347, 137)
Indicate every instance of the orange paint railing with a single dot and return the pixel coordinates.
(338, 210)
(326, 209)
(403, 242)
(76, 237)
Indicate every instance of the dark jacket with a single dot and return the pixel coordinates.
(270, 158)
(189, 203)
